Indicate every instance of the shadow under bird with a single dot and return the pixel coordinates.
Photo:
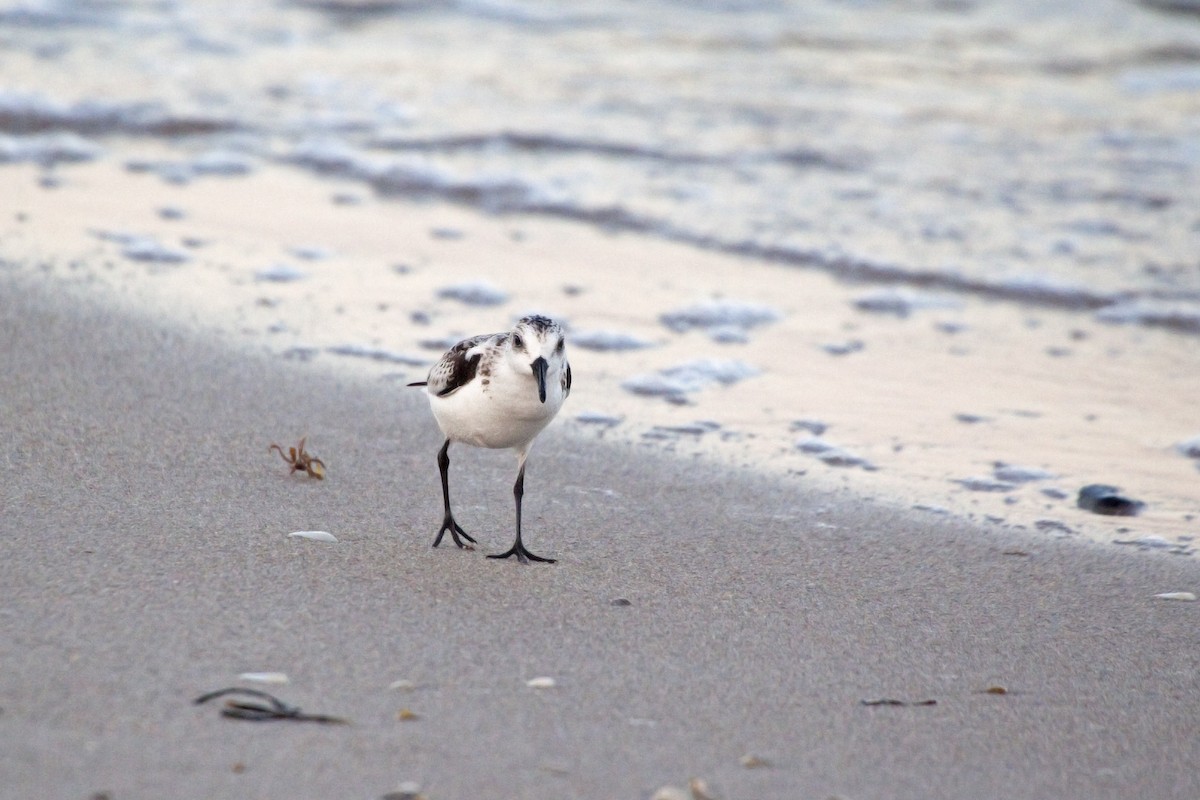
(499, 391)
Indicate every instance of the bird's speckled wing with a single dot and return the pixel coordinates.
(458, 367)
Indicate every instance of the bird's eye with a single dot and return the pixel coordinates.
(518, 342)
(561, 344)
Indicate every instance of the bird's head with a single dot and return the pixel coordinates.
(536, 345)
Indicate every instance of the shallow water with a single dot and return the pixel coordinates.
(1044, 152)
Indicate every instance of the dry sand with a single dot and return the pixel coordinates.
(144, 559)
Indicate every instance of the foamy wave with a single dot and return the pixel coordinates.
(24, 114)
(47, 149)
(505, 193)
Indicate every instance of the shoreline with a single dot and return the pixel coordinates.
(146, 554)
(917, 396)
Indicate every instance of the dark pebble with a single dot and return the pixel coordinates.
(1102, 499)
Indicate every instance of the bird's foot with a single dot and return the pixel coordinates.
(456, 533)
(523, 555)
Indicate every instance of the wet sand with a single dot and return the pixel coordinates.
(922, 393)
(145, 560)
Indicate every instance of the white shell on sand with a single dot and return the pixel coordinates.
(1185, 596)
(671, 793)
(277, 678)
(402, 685)
(316, 536)
(541, 683)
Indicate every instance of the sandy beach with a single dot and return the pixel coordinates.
(858, 298)
(145, 559)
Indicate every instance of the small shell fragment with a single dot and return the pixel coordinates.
(1187, 597)
(670, 793)
(274, 678)
(406, 715)
(316, 536)
(751, 761)
(402, 685)
(699, 789)
(995, 689)
(541, 683)
(409, 790)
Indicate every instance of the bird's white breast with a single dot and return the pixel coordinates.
(503, 412)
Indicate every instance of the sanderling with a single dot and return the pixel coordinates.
(498, 390)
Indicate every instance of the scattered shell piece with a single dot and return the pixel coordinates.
(670, 793)
(409, 790)
(541, 683)
(751, 761)
(699, 789)
(274, 678)
(995, 690)
(1187, 597)
(406, 715)
(403, 685)
(316, 536)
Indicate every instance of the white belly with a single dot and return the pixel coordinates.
(507, 415)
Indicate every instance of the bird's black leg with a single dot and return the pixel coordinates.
(518, 549)
(448, 523)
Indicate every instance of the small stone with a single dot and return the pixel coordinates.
(621, 601)
(1100, 498)
(406, 715)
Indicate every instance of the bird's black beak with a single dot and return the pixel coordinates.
(539, 367)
